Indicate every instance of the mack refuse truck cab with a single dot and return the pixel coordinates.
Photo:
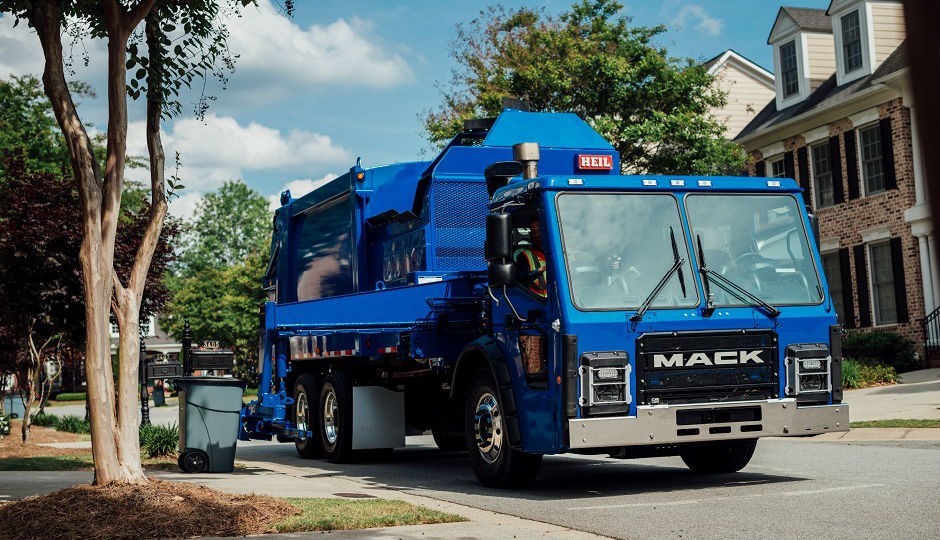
(675, 315)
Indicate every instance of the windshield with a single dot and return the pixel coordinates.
(618, 246)
(759, 243)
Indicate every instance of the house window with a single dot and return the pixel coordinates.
(822, 175)
(788, 69)
(833, 269)
(851, 42)
(869, 140)
(882, 283)
(777, 169)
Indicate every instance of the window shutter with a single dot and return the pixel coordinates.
(887, 154)
(760, 169)
(851, 164)
(788, 168)
(848, 305)
(861, 284)
(900, 288)
(835, 160)
(803, 165)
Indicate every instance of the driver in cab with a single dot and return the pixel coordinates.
(530, 261)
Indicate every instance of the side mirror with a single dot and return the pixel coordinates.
(498, 175)
(814, 225)
(501, 274)
(498, 236)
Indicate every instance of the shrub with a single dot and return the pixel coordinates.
(73, 424)
(4, 426)
(882, 348)
(159, 440)
(71, 396)
(45, 420)
(861, 375)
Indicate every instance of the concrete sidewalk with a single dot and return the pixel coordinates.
(916, 397)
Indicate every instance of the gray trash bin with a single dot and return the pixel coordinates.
(209, 422)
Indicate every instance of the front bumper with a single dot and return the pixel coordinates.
(660, 424)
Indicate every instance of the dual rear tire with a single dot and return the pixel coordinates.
(324, 406)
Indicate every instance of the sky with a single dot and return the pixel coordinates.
(341, 80)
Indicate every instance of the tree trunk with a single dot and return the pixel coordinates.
(116, 453)
(33, 373)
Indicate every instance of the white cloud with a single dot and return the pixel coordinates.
(274, 51)
(298, 188)
(221, 149)
(696, 15)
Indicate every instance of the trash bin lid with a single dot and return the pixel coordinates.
(209, 381)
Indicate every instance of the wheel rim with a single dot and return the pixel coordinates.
(301, 409)
(488, 427)
(329, 416)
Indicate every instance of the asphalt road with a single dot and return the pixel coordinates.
(793, 488)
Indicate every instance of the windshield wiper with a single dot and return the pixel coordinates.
(676, 267)
(728, 285)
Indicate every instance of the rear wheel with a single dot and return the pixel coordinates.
(306, 397)
(335, 417)
(718, 457)
(494, 461)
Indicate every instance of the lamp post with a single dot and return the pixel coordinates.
(144, 404)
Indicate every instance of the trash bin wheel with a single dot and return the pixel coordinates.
(193, 461)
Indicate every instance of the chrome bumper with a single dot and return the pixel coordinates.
(654, 425)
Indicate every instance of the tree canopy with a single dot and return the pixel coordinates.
(591, 61)
(216, 286)
(229, 224)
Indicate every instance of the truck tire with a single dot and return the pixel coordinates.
(306, 400)
(718, 457)
(335, 417)
(495, 463)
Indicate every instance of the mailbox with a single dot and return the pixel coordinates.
(164, 371)
(212, 359)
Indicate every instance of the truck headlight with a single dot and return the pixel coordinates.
(605, 383)
(809, 371)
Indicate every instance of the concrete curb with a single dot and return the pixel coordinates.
(882, 434)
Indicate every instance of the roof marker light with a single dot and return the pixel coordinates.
(704, 183)
(649, 182)
(575, 181)
(677, 182)
(773, 183)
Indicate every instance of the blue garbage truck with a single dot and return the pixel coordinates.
(675, 315)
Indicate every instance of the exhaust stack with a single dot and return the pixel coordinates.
(527, 153)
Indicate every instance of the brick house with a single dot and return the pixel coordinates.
(841, 125)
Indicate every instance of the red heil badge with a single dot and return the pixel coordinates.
(595, 162)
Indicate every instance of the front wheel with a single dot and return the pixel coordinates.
(718, 457)
(495, 463)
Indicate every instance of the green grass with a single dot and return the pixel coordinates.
(897, 424)
(344, 514)
(46, 463)
(71, 396)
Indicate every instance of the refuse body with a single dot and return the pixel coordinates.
(209, 422)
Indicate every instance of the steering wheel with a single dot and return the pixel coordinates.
(752, 266)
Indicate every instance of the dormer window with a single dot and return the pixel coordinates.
(851, 42)
(788, 69)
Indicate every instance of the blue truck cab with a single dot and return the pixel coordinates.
(663, 315)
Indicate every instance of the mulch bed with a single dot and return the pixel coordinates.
(157, 509)
(12, 445)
